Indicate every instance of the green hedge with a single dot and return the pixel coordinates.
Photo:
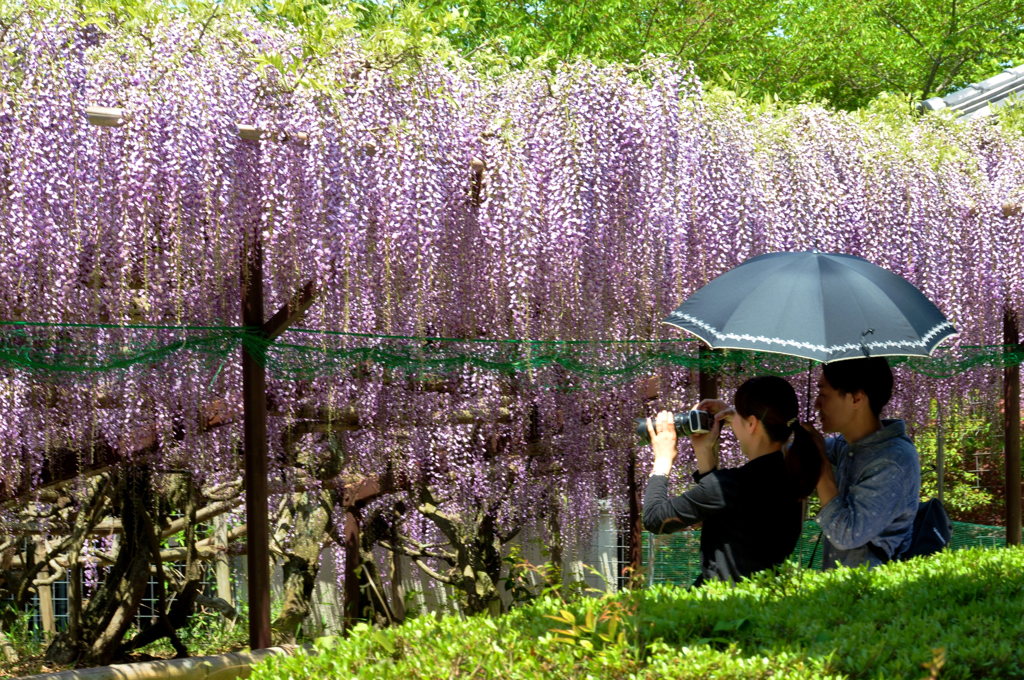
(956, 615)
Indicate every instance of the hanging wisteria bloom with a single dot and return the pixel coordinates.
(508, 214)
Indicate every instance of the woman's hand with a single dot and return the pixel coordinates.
(705, 445)
(663, 440)
(718, 408)
(827, 489)
(819, 442)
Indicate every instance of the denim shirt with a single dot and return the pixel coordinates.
(879, 482)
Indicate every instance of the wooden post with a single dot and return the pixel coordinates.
(636, 521)
(352, 565)
(1011, 431)
(355, 497)
(395, 575)
(222, 568)
(254, 401)
(75, 600)
(45, 595)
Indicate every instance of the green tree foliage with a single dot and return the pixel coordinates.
(844, 51)
(970, 437)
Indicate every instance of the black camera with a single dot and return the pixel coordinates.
(687, 423)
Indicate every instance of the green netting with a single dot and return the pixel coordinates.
(675, 558)
(60, 348)
(98, 348)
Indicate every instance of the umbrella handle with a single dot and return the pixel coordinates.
(810, 372)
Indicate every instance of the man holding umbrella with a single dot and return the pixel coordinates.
(848, 314)
(869, 502)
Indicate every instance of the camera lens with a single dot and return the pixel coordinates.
(682, 422)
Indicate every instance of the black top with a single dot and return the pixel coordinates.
(751, 516)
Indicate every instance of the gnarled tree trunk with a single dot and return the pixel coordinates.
(473, 553)
(111, 609)
(169, 621)
(311, 515)
(10, 654)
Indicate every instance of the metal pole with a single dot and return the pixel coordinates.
(807, 419)
(636, 521)
(1011, 431)
(810, 381)
(940, 452)
(254, 400)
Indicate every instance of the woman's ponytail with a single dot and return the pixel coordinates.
(803, 460)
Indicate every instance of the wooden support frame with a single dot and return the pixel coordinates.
(65, 464)
(291, 313)
(256, 452)
(109, 116)
(254, 400)
(254, 394)
(706, 380)
(255, 134)
(352, 565)
(354, 498)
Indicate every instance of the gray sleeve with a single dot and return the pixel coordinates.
(663, 515)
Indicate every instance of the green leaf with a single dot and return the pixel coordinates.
(381, 639)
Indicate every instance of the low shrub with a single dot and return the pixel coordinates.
(955, 615)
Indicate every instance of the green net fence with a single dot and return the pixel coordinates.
(65, 349)
(675, 558)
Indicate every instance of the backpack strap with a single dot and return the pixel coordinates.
(879, 553)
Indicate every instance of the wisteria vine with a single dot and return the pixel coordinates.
(582, 203)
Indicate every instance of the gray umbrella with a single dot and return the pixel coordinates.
(819, 306)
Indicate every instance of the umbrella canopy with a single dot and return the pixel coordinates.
(819, 306)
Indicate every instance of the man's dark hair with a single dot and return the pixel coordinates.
(871, 375)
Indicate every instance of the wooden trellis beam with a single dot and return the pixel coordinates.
(65, 464)
(255, 134)
(109, 116)
(291, 313)
(106, 116)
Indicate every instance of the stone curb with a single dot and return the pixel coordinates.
(222, 667)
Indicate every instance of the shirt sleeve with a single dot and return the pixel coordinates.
(852, 519)
(664, 515)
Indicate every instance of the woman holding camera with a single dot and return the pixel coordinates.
(752, 514)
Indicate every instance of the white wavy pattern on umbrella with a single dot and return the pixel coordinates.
(888, 344)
